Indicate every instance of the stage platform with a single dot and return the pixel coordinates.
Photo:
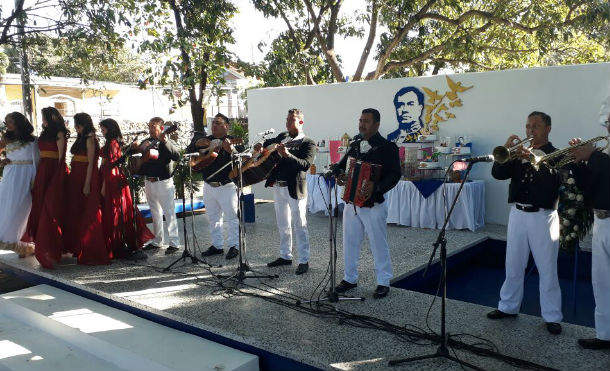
(260, 317)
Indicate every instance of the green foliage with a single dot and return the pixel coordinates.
(239, 130)
(187, 43)
(4, 63)
(87, 60)
(423, 37)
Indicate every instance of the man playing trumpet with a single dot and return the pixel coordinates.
(533, 225)
(594, 179)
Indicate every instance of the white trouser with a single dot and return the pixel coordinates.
(290, 213)
(160, 196)
(221, 208)
(600, 277)
(537, 232)
(372, 221)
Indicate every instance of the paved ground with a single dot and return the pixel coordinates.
(252, 313)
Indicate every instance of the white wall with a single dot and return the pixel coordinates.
(495, 108)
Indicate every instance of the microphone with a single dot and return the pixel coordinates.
(266, 132)
(472, 160)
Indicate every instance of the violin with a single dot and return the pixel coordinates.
(208, 150)
(148, 153)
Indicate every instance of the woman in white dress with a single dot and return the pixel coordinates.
(22, 156)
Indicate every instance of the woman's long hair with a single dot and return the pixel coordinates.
(82, 120)
(23, 129)
(55, 124)
(113, 131)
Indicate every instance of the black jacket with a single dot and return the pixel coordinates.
(223, 158)
(293, 169)
(383, 152)
(594, 179)
(528, 186)
(163, 166)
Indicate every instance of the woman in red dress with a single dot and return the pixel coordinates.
(84, 237)
(45, 227)
(122, 237)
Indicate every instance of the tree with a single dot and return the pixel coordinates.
(191, 50)
(85, 60)
(424, 36)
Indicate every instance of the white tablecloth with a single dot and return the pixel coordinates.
(407, 206)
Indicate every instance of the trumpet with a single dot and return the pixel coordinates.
(502, 154)
(562, 157)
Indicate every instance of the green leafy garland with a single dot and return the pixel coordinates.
(574, 217)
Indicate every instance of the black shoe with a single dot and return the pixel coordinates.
(343, 286)
(381, 292)
(594, 343)
(498, 314)
(137, 255)
(151, 246)
(279, 261)
(553, 327)
(171, 250)
(233, 252)
(122, 253)
(302, 268)
(212, 251)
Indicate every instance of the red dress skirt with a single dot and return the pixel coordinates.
(117, 207)
(83, 219)
(45, 224)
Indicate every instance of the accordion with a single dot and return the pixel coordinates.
(359, 173)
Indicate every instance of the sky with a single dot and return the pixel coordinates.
(250, 27)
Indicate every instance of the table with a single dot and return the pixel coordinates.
(407, 206)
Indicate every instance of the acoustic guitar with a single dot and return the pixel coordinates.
(148, 153)
(259, 167)
(208, 150)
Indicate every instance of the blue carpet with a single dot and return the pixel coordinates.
(476, 275)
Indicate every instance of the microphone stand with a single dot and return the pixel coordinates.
(441, 240)
(242, 267)
(333, 212)
(186, 253)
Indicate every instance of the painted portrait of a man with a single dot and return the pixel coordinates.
(409, 105)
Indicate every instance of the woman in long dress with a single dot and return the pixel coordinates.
(45, 227)
(84, 237)
(22, 156)
(122, 237)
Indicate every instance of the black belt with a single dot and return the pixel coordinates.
(219, 184)
(527, 209)
(153, 179)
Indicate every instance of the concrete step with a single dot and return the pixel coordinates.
(77, 329)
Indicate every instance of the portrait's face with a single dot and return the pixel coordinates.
(103, 130)
(219, 127)
(154, 129)
(78, 129)
(367, 125)
(408, 109)
(293, 123)
(45, 123)
(10, 123)
(536, 128)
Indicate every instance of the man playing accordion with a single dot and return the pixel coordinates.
(370, 218)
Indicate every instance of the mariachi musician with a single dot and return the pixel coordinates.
(159, 185)
(369, 147)
(219, 192)
(289, 182)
